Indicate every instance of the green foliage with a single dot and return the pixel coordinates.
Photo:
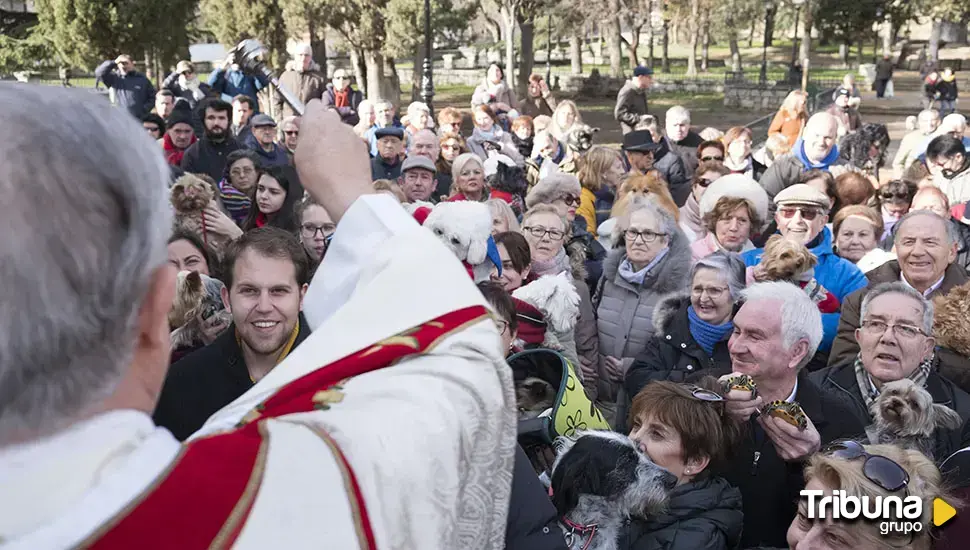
(405, 24)
(84, 32)
(17, 54)
(234, 20)
(849, 21)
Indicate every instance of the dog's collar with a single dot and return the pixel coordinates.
(575, 528)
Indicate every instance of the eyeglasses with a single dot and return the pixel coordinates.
(648, 236)
(877, 327)
(539, 232)
(701, 394)
(311, 230)
(894, 197)
(570, 200)
(882, 471)
(291, 132)
(714, 292)
(707, 159)
(241, 171)
(502, 326)
(808, 214)
(704, 182)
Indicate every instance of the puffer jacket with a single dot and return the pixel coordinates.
(625, 312)
(701, 515)
(673, 354)
(838, 275)
(669, 164)
(786, 169)
(585, 335)
(585, 245)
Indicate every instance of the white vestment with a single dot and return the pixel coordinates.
(429, 439)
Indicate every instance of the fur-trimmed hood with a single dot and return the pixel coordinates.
(665, 278)
(667, 308)
(949, 321)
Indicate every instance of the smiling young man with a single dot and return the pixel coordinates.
(266, 278)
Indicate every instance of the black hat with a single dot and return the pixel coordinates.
(642, 71)
(389, 131)
(639, 141)
(179, 116)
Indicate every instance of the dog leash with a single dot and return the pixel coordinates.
(582, 529)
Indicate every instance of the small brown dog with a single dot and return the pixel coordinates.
(785, 260)
(198, 314)
(190, 195)
(904, 414)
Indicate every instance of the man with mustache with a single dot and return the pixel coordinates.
(208, 155)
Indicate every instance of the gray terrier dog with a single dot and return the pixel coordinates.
(904, 414)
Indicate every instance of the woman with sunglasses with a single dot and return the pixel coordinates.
(690, 214)
(651, 260)
(733, 208)
(452, 145)
(711, 151)
(866, 471)
(894, 199)
(683, 429)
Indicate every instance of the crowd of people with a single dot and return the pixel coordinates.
(693, 282)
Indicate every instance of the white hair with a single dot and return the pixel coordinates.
(86, 227)
(800, 317)
(677, 112)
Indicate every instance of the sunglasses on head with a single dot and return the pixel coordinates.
(894, 197)
(808, 213)
(882, 471)
(701, 394)
(707, 159)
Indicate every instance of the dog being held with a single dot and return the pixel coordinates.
(190, 195)
(580, 138)
(599, 480)
(198, 314)
(788, 261)
(904, 414)
(534, 396)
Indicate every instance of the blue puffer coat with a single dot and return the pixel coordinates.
(838, 275)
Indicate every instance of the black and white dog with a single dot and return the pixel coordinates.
(599, 480)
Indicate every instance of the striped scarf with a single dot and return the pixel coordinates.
(869, 390)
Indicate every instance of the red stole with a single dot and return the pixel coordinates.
(204, 498)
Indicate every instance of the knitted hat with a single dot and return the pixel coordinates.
(179, 116)
(552, 187)
(532, 324)
(739, 186)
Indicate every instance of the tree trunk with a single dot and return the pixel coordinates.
(417, 72)
(808, 21)
(360, 71)
(664, 49)
(770, 25)
(374, 62)
(887, 32)
(613, 40)
(510, 23)
(318, 45)
(650, 42)
(751, 33)
(844, 53)
(695, 32)
(934, 43)
(576, 53)
(706, 44)
(391, 86)
(632, 45)
(526, 56)
(861, 52)
(732, 36)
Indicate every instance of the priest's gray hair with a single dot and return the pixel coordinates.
(800, 317)
(85, 224)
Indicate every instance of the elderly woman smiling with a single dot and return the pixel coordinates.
(468, 179)
(732, 208)
(651, 260)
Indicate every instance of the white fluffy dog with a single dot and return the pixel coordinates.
(557, 299)
(464, 227)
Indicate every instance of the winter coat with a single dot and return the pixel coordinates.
(787, 125)
(884, 69)
(673, 354)
(205, 381)
(133, 90)
(348, 114)
(487, 92)
(838, 275)
(703, 514)
(305, 85)
(845, 347)
(537, 106)
(947, 90)
(686, 149)
(586, 209)
(672, 167)
(208, 157)
(276, 157)
(230, 83)
(171, 83)
(532, 523)
(381, 170)
(625, 313)
(957, 186)
(770, 486)
(786, 169)
(583, 244)
(476, 144)
(603, 204)
(631, 104)
(841, 382)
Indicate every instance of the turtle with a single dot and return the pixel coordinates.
(789, 412)
(741, 382)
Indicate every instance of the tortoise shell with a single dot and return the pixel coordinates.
(789, 412)
(741, 382)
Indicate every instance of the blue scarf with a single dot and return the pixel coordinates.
(705, 333)
(799, 150)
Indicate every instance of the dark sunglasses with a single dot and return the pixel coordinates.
(895, 197)
(701, 394)
(704, 182)
(291, 132)
(571, 199)
(707, 159)
(882, 471)
(808, 214)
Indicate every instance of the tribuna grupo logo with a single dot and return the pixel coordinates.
(895, 515)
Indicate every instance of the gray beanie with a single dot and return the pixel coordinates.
(552, 187)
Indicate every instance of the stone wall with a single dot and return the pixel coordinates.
(754, 96)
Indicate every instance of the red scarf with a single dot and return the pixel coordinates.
(261, 219)
(173, 155)
(341, 98)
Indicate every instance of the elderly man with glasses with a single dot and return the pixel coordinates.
(896, 341)
(342, 97)
(801, 214)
